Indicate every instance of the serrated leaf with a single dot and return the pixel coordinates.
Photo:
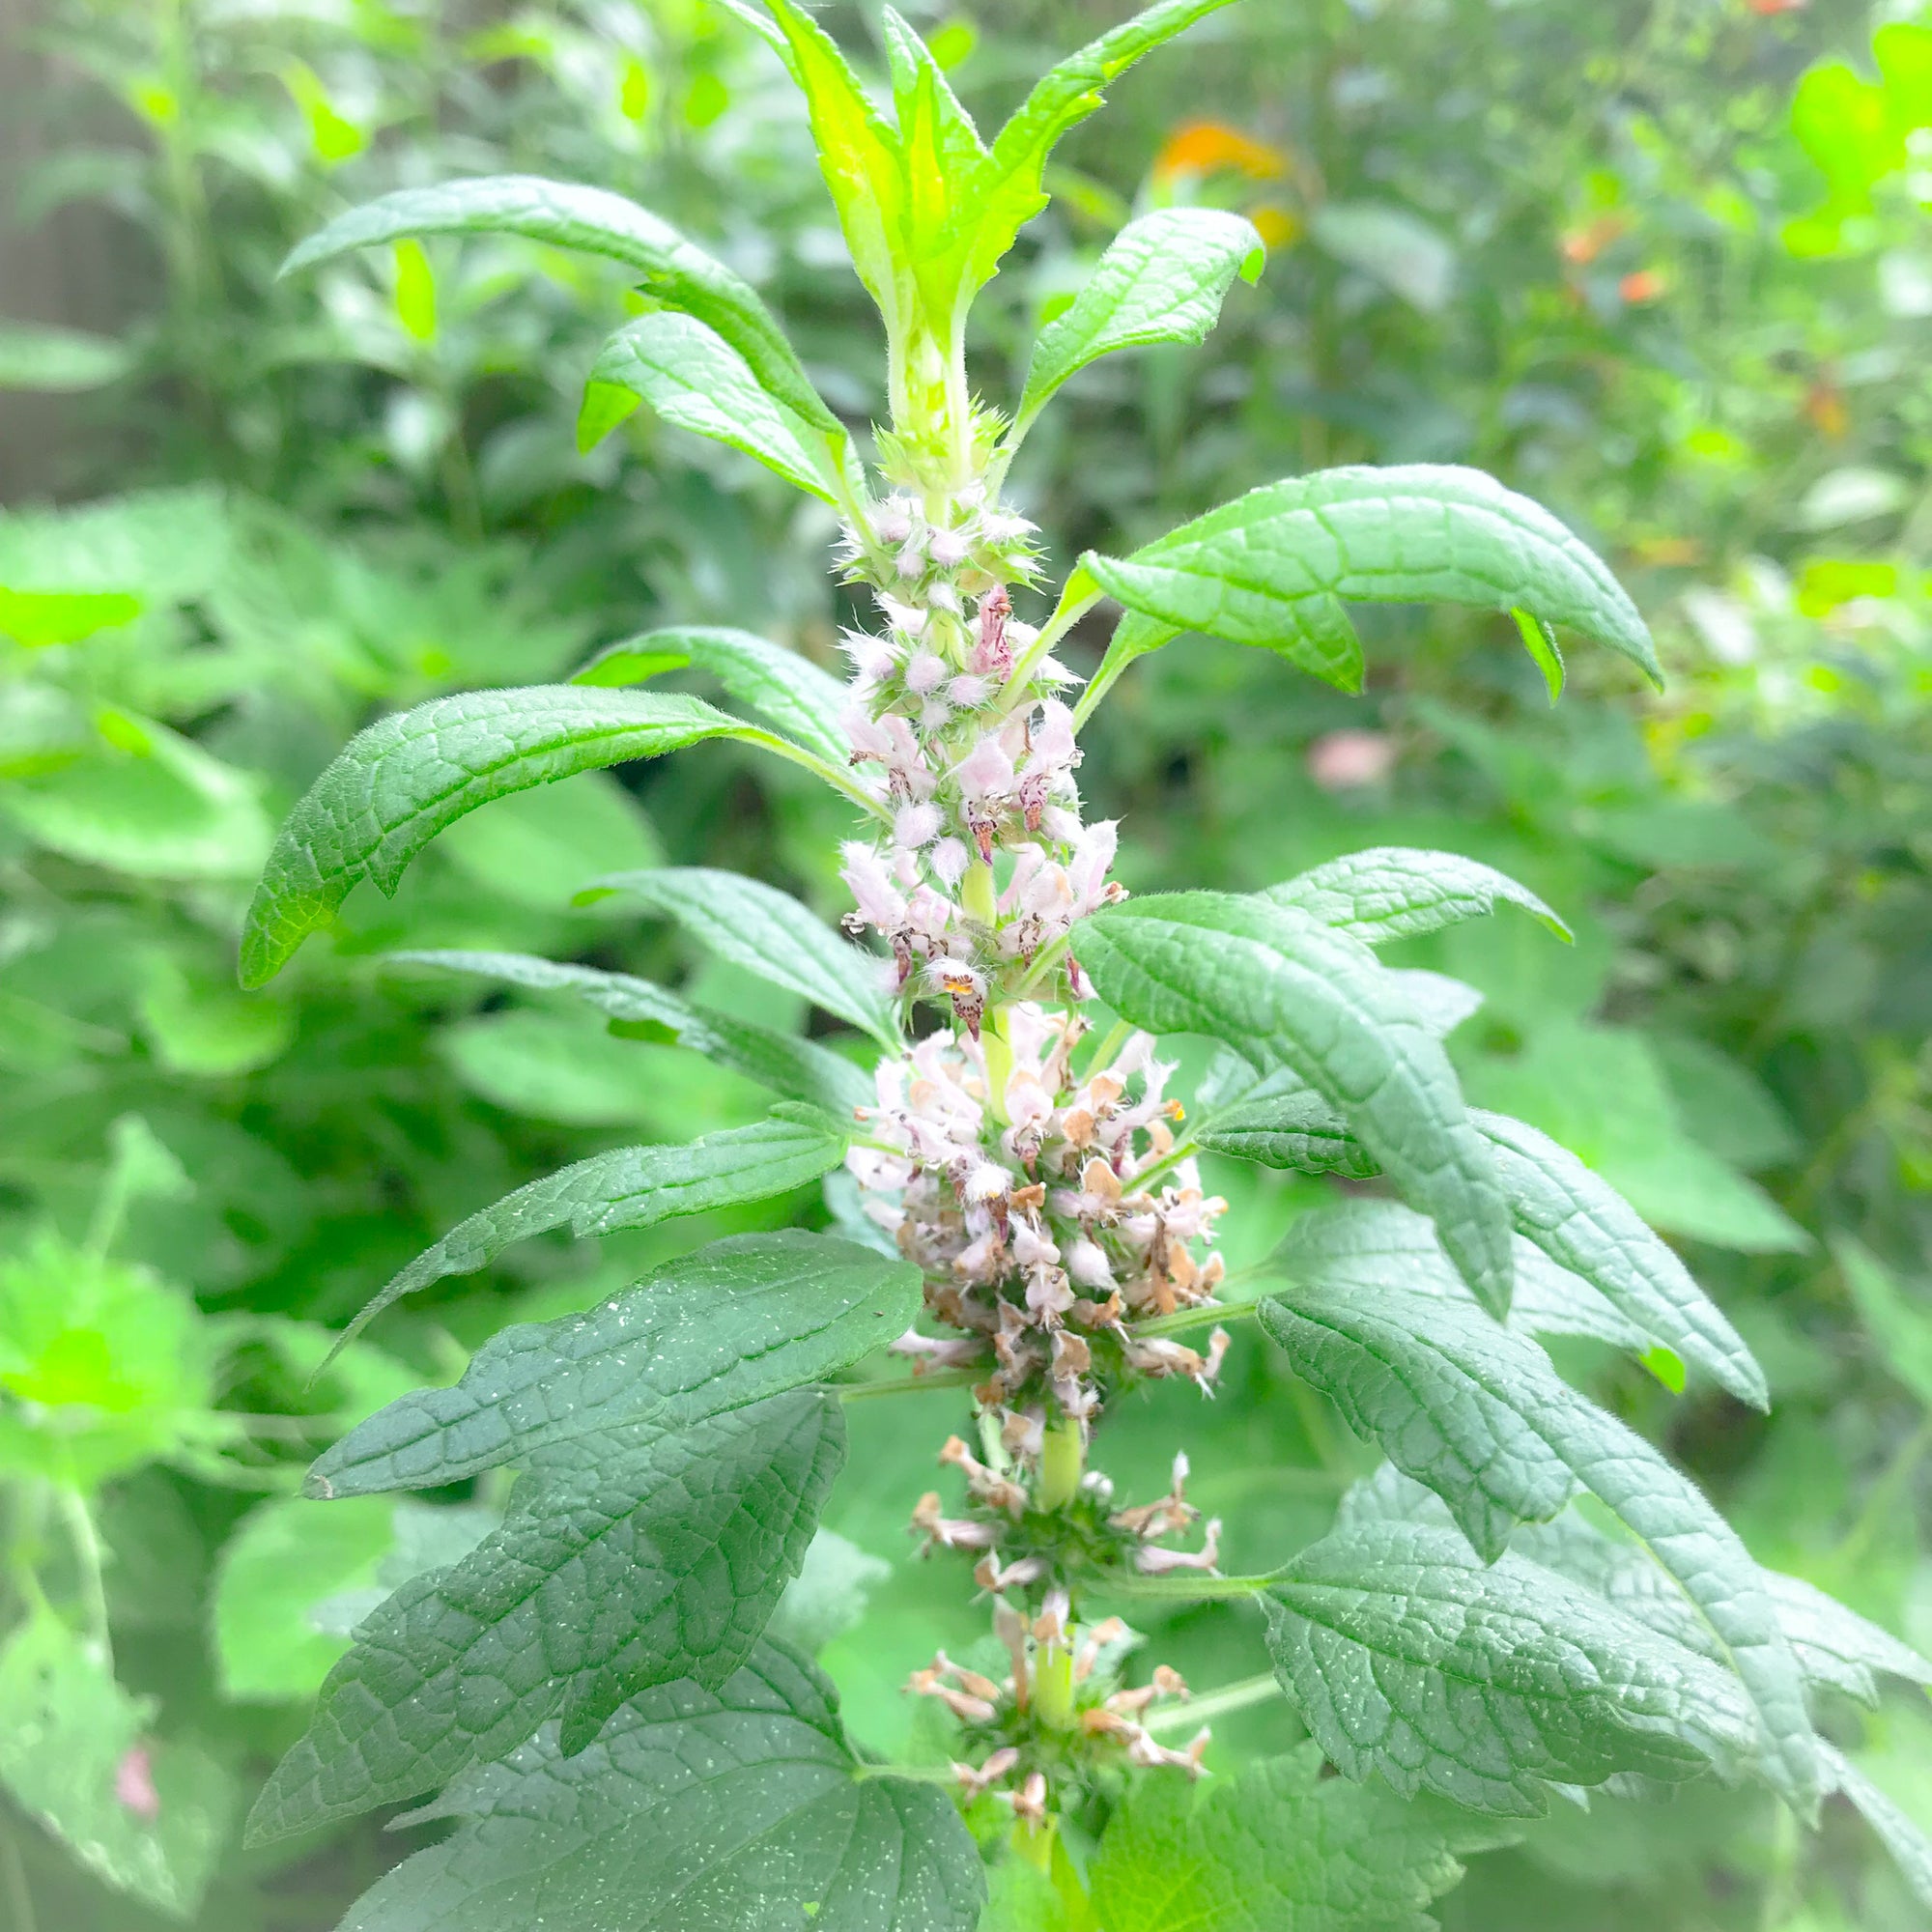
(1631, 1287)
(695, 380)
(1275, 1847)
(1162, 279)
(798, 1069)
(1272, 567)
(1487, 1683)
(626, 1187)
(1009, 191)
(695, 1811)
(401, 781)
(769, 933)
(781, 686)
(1272, 979)
(1477, 1413)
(1366, 1243)
(1394, 891)
(72, 1742)
(680, 274)
(738, 1320)
(630, 1557)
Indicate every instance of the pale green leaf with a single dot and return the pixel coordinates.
(784, 688)
(736, 1321)
(1272, 979)
(630, 1557)
(1162, 279)
(1487, 1683)
(1275, 1847)
(401, 781)
(1273, 567)
(1478, 1415)
(695, 1810)
(678, 274)
(37, 356)
(797, 1069)
(1898, 1325)
(768, 933)
(71, 1740)
(1394, 891)
(1909, 1846)
(626, 1187)
(693, 380)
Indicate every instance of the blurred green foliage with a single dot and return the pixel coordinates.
(1667, 267)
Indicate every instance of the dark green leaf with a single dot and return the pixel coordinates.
(741, 1809)
(1393, 892)
(1272, 979)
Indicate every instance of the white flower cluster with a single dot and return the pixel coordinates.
(1038, 1235)
(965, 740)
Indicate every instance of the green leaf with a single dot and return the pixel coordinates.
(534, 848)
(1162, 279)
(1584, 1225)
(676, 273)
(738, 1320)
(1899, 1329)
(1393, 892)
(1911, 1849)
(767, 932)
(1487, 1683)
(1274, 1847)
(798, 1069)
(1476, 1413)
(1295, 1129)
(71, 1737)
(285, 1557)
(784, 688)
(861, 162)
(631, 1556)
(1371, 1242)
(1270, 978)
(34, 357)
(39, 618)
(1271, 567)
(1010, 191)
(401, 781)
(696, 382)
(626, 1187)
(695, 1811)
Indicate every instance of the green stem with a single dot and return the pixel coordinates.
(1237, 1696)
(1184, 1586)
(1068, 613)
(1184, 1319)
(938, 1378)
(90, 1557)
(1062, 1459)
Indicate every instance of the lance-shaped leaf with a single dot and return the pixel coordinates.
(626, 1187)
(1910, 1848)
(395, 785)
(714, 1332)
(1162, 279)
(1642, 1292)
(1478, 1415)
(1276, 1847)
(1270, 979)
(680, 274)
(1410, 1657)
(727, 1810)
(1394, 891)
(767, 932)
(630, 1557)
(1367, 1244)
(698, 381)
(1275, 566)
(782, 687)
(1009, 190)
(859, 155)
(798, 1069)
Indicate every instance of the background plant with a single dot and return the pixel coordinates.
(1190, 753)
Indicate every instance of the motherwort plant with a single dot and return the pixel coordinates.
(593, 1690)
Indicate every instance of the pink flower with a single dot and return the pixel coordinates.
(135, 1784)
(1344, 761)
